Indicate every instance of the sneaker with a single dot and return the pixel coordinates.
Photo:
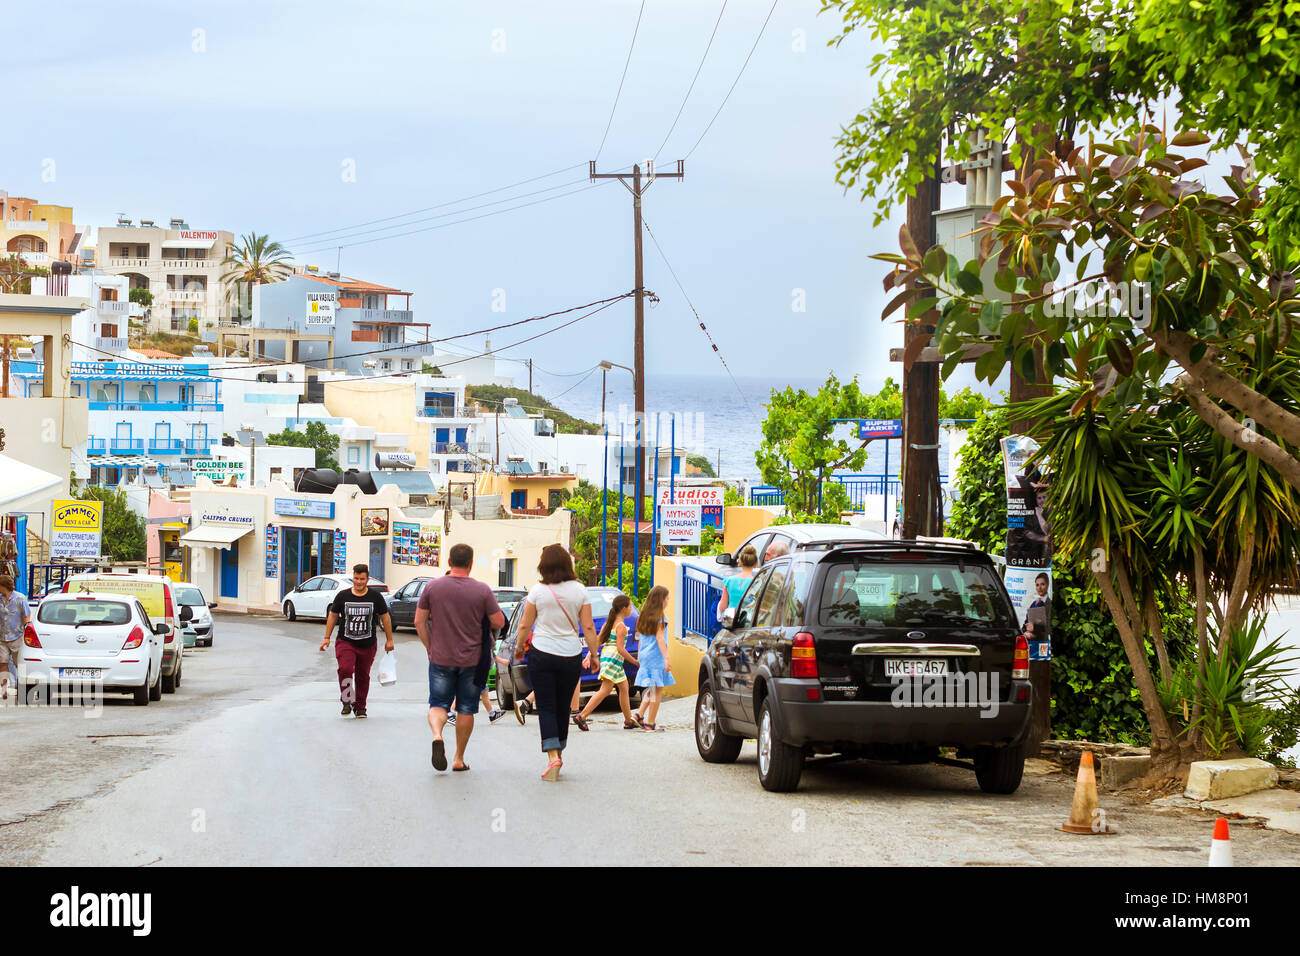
(347, 709)
(496, 715)
(360, 712)
(451, 718)
(521, 708)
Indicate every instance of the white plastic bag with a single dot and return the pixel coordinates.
(388, 669)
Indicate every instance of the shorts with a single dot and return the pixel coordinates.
(453, 683)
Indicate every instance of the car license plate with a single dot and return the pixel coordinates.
(915, 667)
(80, 673)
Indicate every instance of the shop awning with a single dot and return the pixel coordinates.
(23, 486)
(213, 536)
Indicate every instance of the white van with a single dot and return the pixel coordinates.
(157, 593)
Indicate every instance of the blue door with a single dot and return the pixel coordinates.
(230, 571)
(378, 548)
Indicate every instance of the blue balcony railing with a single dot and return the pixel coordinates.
(198, 446)
(165, 446)
(126, 446)
(156, 406)
(97, 446)
(444, 411)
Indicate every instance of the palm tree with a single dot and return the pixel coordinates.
(253, 261)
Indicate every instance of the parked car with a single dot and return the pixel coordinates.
(403, 603)
(105, 639)
(314, 596)
(157, 594)
(197, 625)
(512, 678)
(798, 537)
(509, 598)
(34, 601)
(823, 652)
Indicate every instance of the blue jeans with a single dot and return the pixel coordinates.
(453, 683)
(553, 679)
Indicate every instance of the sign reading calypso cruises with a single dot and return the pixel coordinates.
(320, 307)
(221, 517)
(77, 528)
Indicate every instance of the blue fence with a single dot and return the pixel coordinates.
(701, 591)
(859, 488)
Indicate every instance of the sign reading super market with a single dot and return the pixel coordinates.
(77, 528)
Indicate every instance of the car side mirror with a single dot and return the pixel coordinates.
(729, 618)
(724, 558)
(213, 605)
(187, 613)
(161, 629)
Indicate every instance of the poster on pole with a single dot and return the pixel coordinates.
(680, 524)
(1029, 543)
(77, 529)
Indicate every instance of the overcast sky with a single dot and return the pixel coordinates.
(295, 118)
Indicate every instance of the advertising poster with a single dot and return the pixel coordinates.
(1029, 543)
(709, 497)
(680, 524)
(340, 552)
(430, 545)
(406, 543)
(77, 528)
(272, 551)
(374, 522)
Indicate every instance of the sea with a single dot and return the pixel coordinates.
(715, 416)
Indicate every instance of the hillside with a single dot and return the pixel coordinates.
(494, 395)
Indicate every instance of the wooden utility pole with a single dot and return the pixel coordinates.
(4, 376)
(637, 189)
(530, 376)
(922, 502)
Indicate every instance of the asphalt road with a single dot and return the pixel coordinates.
(250, 763)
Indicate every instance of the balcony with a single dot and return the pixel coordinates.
(384, 315)
(126, 446)
(198, 446)
(165, 446)
(130, 262)
(113, 308)
(157, 406)
(110, 343)
(445, 411)
(179, 295)
(97, 446)
(461, 447)
(362, 335)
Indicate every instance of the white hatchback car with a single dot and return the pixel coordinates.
(104, 639)
(314, 596)
(197, 626)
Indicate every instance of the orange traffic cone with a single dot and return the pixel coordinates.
(1085, 814)
(1221, 845)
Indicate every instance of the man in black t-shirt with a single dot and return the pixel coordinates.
(357, 611)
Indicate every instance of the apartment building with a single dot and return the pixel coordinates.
(38, 233)
(100, 332)
(370, 335)
(179, 265)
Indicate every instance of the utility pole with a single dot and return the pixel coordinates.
(637, 190)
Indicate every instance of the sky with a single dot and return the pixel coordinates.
(299, 119)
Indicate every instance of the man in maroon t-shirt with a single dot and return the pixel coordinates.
(449, 619)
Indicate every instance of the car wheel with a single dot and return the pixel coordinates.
(141, 694)
(289, 612)
(779, 764)
(714, 745)
(999, 769)
(156, 691)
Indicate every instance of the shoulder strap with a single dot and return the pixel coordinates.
(562, 608)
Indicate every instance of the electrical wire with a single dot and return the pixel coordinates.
(734, 82)
(693, 79)
(441, 205)
(621, 79)
(703, 327)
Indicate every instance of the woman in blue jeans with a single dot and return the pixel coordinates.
(557, 614)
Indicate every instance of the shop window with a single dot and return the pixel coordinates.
(506, 573)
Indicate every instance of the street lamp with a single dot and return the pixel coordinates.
(605, 366)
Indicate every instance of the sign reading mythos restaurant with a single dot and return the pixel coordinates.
(77, 528)
(320, 307)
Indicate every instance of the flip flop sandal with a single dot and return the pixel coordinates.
(552, 772)
(439, 755)
(459, 769)
(631, 725)
(581, 721)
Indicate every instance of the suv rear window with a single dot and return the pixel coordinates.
(899, 594)
(83, 612)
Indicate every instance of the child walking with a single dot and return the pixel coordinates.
(654, 672)
(613, 652)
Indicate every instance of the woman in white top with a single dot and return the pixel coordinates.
(549, 633)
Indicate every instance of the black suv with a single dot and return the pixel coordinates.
(883, 650)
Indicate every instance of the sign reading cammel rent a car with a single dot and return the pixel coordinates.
(77, 528)
(679, 524)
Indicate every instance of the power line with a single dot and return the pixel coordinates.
(454, 222)
(450, 202)
(336, 241)
(613, 108)
(703, 327)
(693, 79)
(734, 82)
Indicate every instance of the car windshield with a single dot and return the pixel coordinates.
(901, 594)
(601, 602)
(510, 597)
(191, 597)
(83, 612)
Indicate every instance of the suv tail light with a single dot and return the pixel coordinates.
(135, 638)
(29, 636)
(1020, 663)
(803, 656)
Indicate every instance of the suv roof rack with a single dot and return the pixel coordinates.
(925, 544)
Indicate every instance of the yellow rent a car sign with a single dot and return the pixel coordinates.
(77, 528)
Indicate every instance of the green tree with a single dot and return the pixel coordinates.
(702, 462)
(124, 531)
(141, 296)
(316, 436)
(494, 397)
(193, 327)
(253, 260)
